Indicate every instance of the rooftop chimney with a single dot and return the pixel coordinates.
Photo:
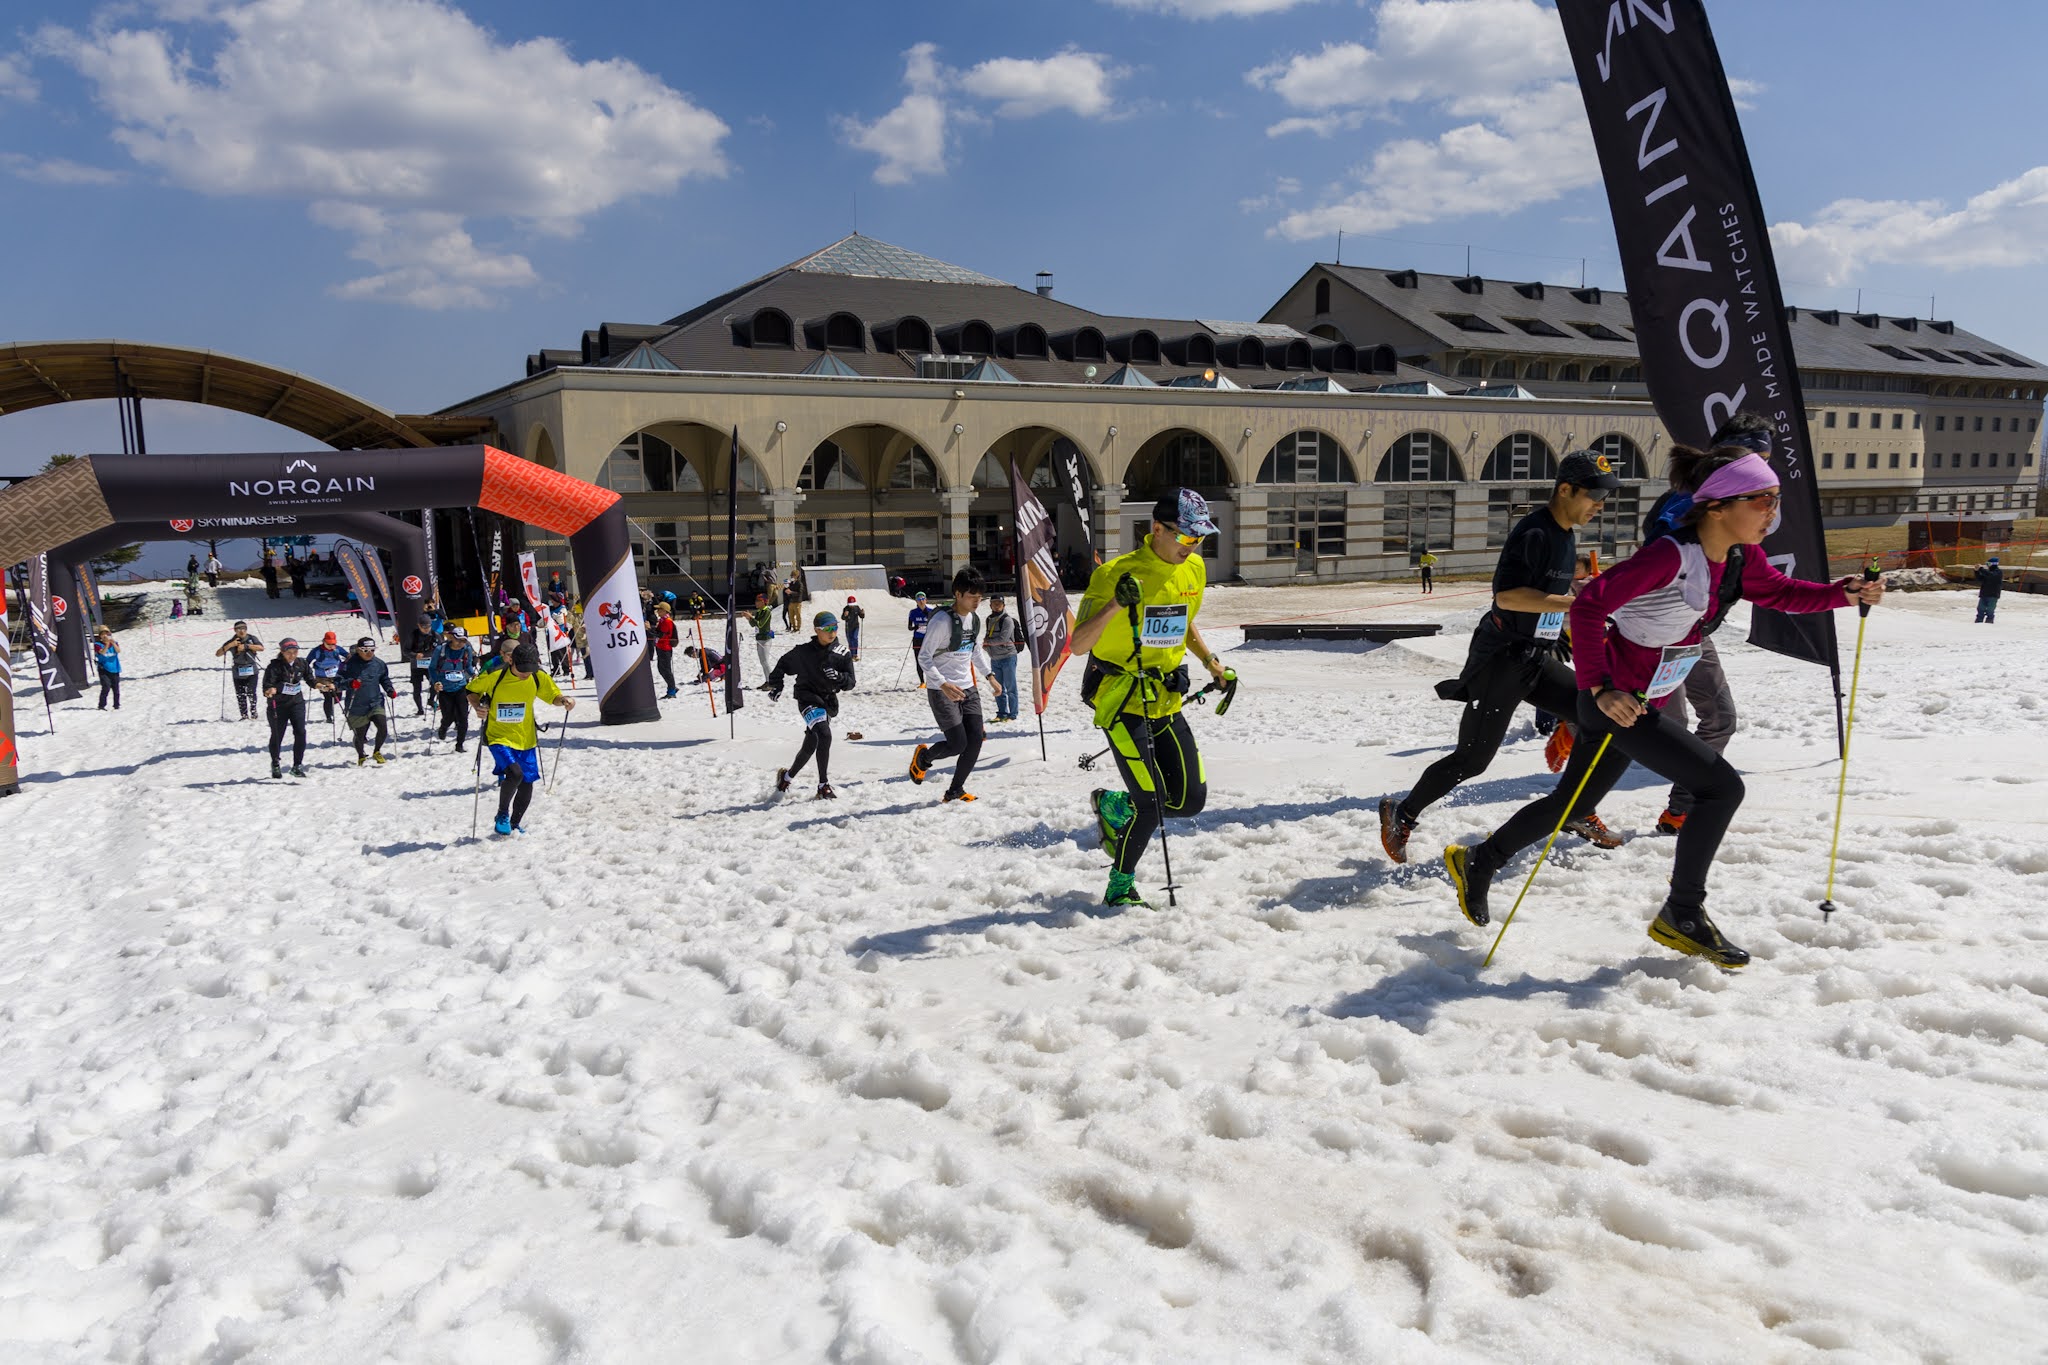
(1045, 284)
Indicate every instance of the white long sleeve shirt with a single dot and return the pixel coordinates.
(956, 666)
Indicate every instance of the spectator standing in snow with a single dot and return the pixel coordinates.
(665, 647)
(106, 655)
(1990, 584)
(851, 620)
(213, 568)
(763, 620)
(1004, 637)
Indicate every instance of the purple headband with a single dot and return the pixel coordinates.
(1750, 474)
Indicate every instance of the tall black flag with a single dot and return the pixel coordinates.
(1696, 253)
(735, 692)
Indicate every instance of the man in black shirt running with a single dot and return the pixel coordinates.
(1514, 652)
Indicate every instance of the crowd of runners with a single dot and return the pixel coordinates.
(1611, 661)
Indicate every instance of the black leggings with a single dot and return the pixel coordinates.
(290, 716)
(245, 695)
(1664, 746)
(515, 794)
(419, 680)
(963, 735)
(665, 664)
(455, 712)
(110, 685)
(1170, 745)
(818, 740)
(1496, 689)
(375, 718)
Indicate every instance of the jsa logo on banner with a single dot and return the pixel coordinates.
(625, 633)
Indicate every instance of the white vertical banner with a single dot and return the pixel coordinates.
(529, 581)
(611, 621)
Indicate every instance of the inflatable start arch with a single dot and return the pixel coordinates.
(90, 495)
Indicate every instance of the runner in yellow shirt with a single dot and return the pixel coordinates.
(504, 699)
(1137, 684)
(1427, 563)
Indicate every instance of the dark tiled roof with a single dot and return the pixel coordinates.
(882, 286)
(1499, 316)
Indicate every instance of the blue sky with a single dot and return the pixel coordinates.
(403, 198)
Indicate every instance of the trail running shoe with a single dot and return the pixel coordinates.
(1123, 890)
(298, 770)
(1558, 751)
(1470, 886)
(361, 759)
(1692, 933)
(958, 796)
(917, 768)
(503, 824)
(1670, 822)
(1394, 830)
(1593, 830)
(782, 779)
(379, 757)
(825, 793)
(275, 770)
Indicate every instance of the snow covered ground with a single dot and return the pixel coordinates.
(302, 1072)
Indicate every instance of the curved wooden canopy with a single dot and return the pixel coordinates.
(36, 374)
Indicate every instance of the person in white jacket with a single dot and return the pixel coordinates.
(952, 660)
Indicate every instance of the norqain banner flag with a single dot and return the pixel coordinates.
(1041, 600)
(1696, 253)
(351, 561)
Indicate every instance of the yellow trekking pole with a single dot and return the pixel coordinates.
(1530, 880)
(1827, 905)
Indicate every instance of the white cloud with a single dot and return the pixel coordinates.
(424, 260)
(399, 118)
(1744, 92)
(2006, 225)
(1284, 188)
(1209, 9)
(15, 81)
(1072, 80)
(57, 171)
(1499, 68)
(911, 138)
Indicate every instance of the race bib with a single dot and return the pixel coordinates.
(292, 689)
(813, 714)
(1164, 627)
(454, 675)
(1671, 670)
(511, 712)
(245, 670)
(1550, 625)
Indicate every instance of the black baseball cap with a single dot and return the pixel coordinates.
(1585, 469)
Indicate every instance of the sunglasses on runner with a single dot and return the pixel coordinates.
(1189, 541)
(1769, 500)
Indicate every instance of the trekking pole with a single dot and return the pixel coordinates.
(1151, 756)
(902, 664)
(1827, 905)
(1530, 880)
(477, 798)
(223, 689)
(1228, 688)
(560, 740)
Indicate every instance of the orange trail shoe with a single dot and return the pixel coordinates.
(1394, 830)
(917, 768)
(1558, 751)
(959, 796)
(1593, 830)
(1670, 822)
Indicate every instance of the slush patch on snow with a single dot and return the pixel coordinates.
(2013, 1177)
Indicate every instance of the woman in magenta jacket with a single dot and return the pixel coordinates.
(1635, 630)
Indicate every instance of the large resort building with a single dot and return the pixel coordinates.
(880, 397)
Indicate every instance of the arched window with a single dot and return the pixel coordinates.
(977, 338)
(1419, 457)
(1384, 360)
(915, 471)
(772, 327)
(1188, 460)
(992, 473)
(1600, 374)
(1470, 368)
(1625, 455)
(843, 332)
(1322, 296)
(1568, 373)
(1025, 341)
(830, 469)
(1201, 349)
(1536, 369)
(1521, 458)
(752, 479)
(644, 463)
(1630, 374)
(1503, 369)
(1306, 457)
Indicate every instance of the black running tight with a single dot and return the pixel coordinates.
(1664, 746)
(515, 794)
(1170, 746)
(817, 740)
(455, 712)
(375, 718)
(1496, 690)
(288, 716)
